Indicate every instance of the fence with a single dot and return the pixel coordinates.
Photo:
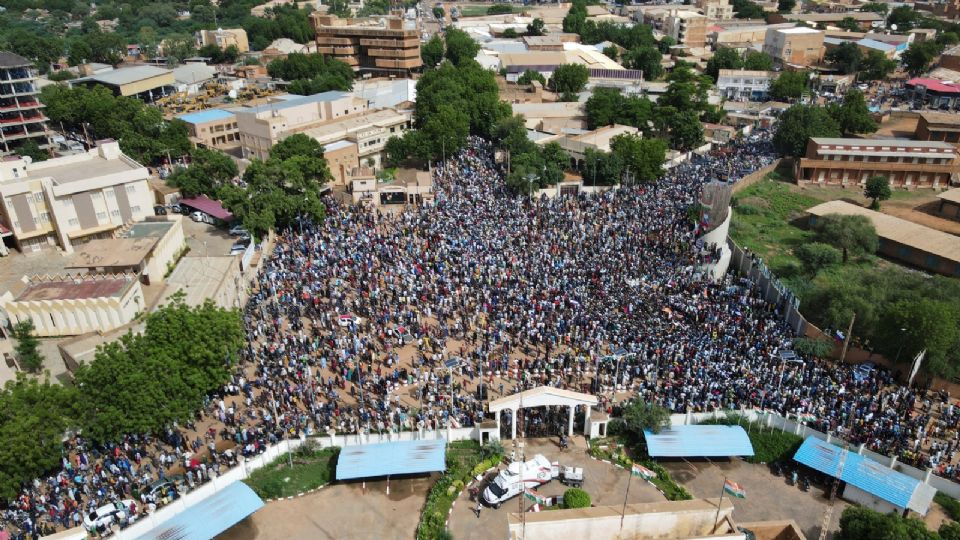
(146, 523)
(755, 176)
(772, 290)
(785, 423)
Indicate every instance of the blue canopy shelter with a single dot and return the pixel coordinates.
(209, 517)
(699, 441)
(385, 459)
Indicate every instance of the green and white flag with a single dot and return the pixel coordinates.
(640, 470)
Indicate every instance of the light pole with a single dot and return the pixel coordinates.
(900, 348)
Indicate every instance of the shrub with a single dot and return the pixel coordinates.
(817, 255)
(576, 498)
(950, 505)
(499, 9)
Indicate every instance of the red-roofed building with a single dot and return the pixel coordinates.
(935, 93)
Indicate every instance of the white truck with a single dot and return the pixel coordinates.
(519, 476)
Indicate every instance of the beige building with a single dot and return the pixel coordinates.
(342, 157)
(409, 187)
(71, 305)
(850, 162)
(148, 249)
(263, 126)
(143, 82)
(598, 140)
(213, 128)
(223, 38)
(798, 46)
(686, 28)
(376, 44)
(368, 131)
(716, 10)
(72, 199)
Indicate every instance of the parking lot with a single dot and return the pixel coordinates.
(204, 239)
(768, 497)
(605, 483)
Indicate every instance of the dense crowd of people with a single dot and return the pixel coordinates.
(376, 320)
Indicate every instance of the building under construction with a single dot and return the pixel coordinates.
(381, 45)
(21, 113)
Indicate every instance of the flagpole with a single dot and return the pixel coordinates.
(716, 520)
(623, 511)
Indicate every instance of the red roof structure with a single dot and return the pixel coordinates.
(209, 206)
(935, 85)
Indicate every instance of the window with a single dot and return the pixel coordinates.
(38, 197)
(109, 193)
(101, 216)
(115, 213)
(73, 222)
(45, 216)
(36, 221)
(135, 209)
(131, 188)
(68, 203)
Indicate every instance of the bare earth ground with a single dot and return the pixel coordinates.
(769, 497)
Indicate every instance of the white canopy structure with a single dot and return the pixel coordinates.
(542, 396)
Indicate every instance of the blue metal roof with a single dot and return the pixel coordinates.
(206, 116)
(699, 441)
(401, 457)
(209, 517)
(864, 473)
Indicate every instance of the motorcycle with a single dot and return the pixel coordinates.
(804, 484)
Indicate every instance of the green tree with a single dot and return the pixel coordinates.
(31, 149)
(569, 78)
(816, 256)
(846, 57)
(876, 66)
(813, 347)
(850, 234)
(745, 9)
(685, 129)
(646, 58)
(33, 418)
(603, 107)
(665, 43)
(432, 51)
(786, 6)
(438, 12)
(876, 7)
(312, 73)
(28, 346)
(536, 27)
(500, 9)
(340, 8)
(798, 124)
(918, 58)
(529, 76)
(853, 115)
(208, 171)
(788, 85)
(510, 33)
(642, 158)
(877, 189)
(911, 325)
(639, 416)
(904, 17)
(758, 61)
(460, 46)
(510, 134)
(576, 498)
(42, 50)
(601, 168)
(724, 58)
(576, 18)
(859, 523)
(611, 52)
(849, 24)
(949, 530)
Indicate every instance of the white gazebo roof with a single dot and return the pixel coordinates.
(541, 397)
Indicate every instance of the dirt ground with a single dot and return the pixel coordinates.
(768, 497)
(605, 483)
(341, 511)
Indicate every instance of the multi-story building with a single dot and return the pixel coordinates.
(686, 27)
(72, 199)
(368, 130)
(263, 126)
(934, 93)
(938, 126)
(717, 10)
(21, 113)
(740, 84)
(369, 44)
(213, 128)
(864, 19)
(798, 46)
(224, 38)
(850, 162)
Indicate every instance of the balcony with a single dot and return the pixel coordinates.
(386, 63)
(391, 43)
(394, 53)
(879, 166)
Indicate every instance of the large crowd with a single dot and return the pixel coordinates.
(379, 319)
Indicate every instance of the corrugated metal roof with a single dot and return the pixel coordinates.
(208, 206)
(699, 441)
(206, 116)
(209, 517)
(883, 482)
(401, 457)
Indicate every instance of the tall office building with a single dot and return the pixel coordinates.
(369, 44)
(21, 113)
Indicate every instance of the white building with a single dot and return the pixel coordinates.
(744, 84)
(72, 198)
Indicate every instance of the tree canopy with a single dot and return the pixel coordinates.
(28, 346)
(846, 57)
(460, 47)
(312, 73)
(850, 234)
(877, 188)
(642, 158)
(432, 51)
(208, 171)
(852, 115)
(798, 124)
(569, 78)
(639, 416)
(789, 85)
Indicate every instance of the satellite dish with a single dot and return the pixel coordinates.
(893, 27)
(232, 94)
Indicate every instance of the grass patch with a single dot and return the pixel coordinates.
(311, 469)
(950, 505)
(769, 443)
(464, 461)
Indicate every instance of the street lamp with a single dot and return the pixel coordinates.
(900, 348)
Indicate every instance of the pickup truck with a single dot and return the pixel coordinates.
(519, 476)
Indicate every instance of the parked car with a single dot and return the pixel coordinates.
(238, 230)
(176, 209)
(160, 210)
(108, 514)
(346, 320)
(240, 246)
(201, 217)
(862, 372)
(169, 487)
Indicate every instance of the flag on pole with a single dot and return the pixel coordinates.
(734, 489)
(916, 366)
(534, 508)
(640, 470)
(534, 496)
(807, 417)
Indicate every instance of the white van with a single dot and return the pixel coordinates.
(519, 476)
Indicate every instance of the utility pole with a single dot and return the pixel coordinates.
(846, 341)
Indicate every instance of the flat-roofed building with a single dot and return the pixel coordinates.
(799, 46)
(147, 249)
(377, 44)
(144, 82)
(213, 128)
(912, 243)
(739, 84)
(686, 27)
(717, 10)
(72, 199)
(409, 186)
(223, 38)
(72, 305)
(598, 140)
(937, 126)
(850, 162)
(367, 130)
(21, 113)
(864, 19)
(342, 157)
(934, 93)
(263, 126)
(950, 204)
